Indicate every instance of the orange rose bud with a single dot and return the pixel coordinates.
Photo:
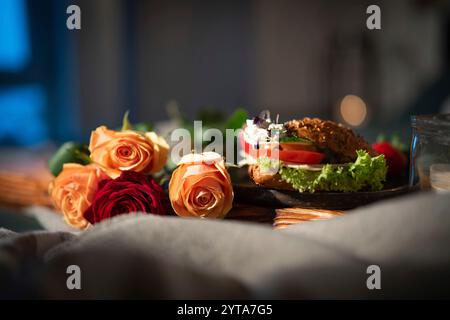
(73, 189)
(128, 151)
(201, 187)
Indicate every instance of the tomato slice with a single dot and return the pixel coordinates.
(262, 151)
(244, 143)
(292, 156)
(301, 156)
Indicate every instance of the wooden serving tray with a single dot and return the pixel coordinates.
(252, 194)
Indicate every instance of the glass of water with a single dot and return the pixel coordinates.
(430, 152)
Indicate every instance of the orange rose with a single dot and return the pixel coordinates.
(73, 189)
(128, 151)
(201, 187)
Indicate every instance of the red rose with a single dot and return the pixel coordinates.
(130, 192)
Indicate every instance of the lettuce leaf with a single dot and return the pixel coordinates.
(368, 173)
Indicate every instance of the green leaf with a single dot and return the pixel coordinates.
(365, 173)
(69, 152)
(126, 125)
(237, 119)
(143, 127)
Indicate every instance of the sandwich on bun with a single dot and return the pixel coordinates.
(310, 155)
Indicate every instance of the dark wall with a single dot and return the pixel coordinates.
(295, 57)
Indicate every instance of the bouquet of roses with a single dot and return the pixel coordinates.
(113, 176)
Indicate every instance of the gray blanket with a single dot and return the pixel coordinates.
(149, 256)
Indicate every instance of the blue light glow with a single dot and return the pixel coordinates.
(22, 116)
(14, 37)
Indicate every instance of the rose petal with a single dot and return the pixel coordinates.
(200, 158)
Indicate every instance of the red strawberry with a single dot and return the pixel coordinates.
(395, 159)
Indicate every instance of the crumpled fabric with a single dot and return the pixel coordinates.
(148, 256)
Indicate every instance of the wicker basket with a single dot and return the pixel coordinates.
(21, 190)
(24, 177)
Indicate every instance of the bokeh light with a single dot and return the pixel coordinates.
(353, 110)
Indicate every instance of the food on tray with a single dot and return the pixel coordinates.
(395, 158)
(310, 155)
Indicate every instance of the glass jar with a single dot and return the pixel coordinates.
(430, 152)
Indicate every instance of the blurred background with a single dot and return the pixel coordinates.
(296, 58)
